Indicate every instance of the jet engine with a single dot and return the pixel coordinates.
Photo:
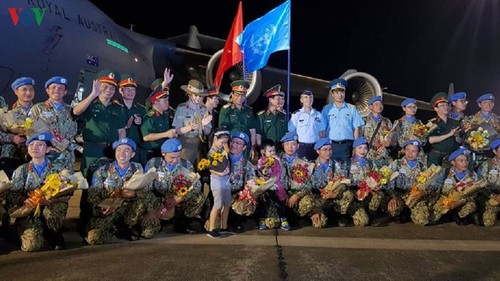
(361, 87)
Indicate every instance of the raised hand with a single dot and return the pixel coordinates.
(167, 76)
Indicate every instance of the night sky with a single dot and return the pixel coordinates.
(414, 48)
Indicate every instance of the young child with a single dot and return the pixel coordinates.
(269, 166)
(219, 183)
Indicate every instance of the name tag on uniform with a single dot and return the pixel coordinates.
(267, 121)
(47, 114)
(402, 171)
(189, 116)
(161, 175)
(109, 182)
(448, 181)
(493, 172)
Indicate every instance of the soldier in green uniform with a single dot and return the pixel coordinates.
(107, 182)
(236, 116)
(105, 121)
(272, 123)
(443, 139)
(47, 224)
(135, 112)
(156, 127)
(58, 116)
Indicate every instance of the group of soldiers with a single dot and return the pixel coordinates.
(312, 150)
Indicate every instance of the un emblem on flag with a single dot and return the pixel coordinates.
(261, 39)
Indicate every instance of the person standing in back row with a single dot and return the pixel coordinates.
(343, 121)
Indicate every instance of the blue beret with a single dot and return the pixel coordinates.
(126, 141)
(457, 96)
(57, 80)
(171, 145)
(241, 135)
(322, 142)
(338, 83)
(412, 142)
(494, 144)
(374, 99)
(359, 141)
(45, 136)
(22, 81)
(408, 101)
(290, 136)
(458, 152)
(485, 97)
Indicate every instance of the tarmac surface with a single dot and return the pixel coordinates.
(396, 252)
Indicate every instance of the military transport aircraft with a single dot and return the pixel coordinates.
(75, 39)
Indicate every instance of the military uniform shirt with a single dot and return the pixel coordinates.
(187, 113)
(341, 122)
(307, 125)
(102, 122)
(272, 126)
(235, 119)
(154, 122)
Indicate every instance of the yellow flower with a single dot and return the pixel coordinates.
(52, 185)
(421, 179)
(182, 191)
(28, 123)
(214, 163)
(386, 171)
(259, 181)
(299, 173)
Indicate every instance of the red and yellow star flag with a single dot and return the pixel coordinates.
(232, 53)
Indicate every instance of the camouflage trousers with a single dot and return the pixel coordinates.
(467, 208)
(31, 228)
(490, 209)
(102, 229)
(344, 204)
(421, 212)
(190, 208)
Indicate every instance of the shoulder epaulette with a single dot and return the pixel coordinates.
(141, 105)
(118, 103)
(151, 113)
(432, 120)
(227, 105)
(261, 112)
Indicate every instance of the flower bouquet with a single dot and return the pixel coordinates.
(4, 182)
(19, 125)
(305, 205)
(55, 185)
(422, 181)
(138, 181)
(336, 185)
(217, 161)
(478, 139)
(246, 203)
(422, 131)
(374, 181)
(182, 184)
(462, 191)
(300, 174)
(269, 167)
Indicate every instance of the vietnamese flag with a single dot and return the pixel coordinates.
(232, 53)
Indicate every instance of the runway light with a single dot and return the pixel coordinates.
(136, 59)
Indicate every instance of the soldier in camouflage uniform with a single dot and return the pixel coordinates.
(163, 197)
(404, 128)
(241, 171)
(332, 203)
(358, 169)
(456, 178)
(24, 88)
(489, 198)
(399, 189)
(272, 123)
(485, 116)
(107, 182)
(57, 114)
(458, 102)
(48, 223)
(379, 146)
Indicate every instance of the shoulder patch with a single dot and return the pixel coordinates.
(151, 113)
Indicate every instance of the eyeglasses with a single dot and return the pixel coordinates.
(412, 106)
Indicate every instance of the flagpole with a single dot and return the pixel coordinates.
(288, 82)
